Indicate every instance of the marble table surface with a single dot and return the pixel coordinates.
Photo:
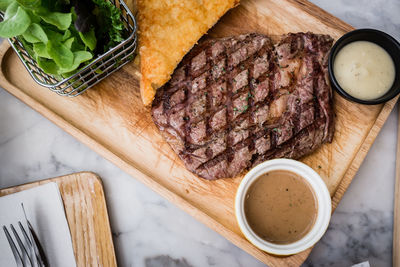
(150, 231)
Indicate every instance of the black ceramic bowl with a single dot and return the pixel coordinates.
(380, 38)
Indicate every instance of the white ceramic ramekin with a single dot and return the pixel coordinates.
(321, 193)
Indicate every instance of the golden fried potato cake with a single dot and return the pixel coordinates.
(168, 29)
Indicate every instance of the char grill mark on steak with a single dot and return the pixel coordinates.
(237, 101)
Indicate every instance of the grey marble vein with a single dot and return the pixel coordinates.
(165, 261)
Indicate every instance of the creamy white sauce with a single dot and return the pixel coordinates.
(364, 70)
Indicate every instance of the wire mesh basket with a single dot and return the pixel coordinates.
(91, 74)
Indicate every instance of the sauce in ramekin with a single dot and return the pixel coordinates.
(280, 207)
(364, 70)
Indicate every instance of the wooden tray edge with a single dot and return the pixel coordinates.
(316, 11)
(52, 179)
(362, 151)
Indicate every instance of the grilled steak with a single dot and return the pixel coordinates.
(235, 102)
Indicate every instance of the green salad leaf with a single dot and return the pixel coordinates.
(35, 34)
(15, 22)
(40, 50)
(89, 38)
(58, 38)
(30, 4)
(4, 4)
(34, 18)
(11, 10)
(66, 35)
(56, 5)
(48, 65)
(68, 43)
(53, 35)
(61, 54)
(61, 20)
(79, 57)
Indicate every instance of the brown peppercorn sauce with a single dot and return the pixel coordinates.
(280, 207)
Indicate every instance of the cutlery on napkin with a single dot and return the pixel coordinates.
(45, 210)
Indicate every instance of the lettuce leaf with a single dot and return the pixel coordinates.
(40, 50)
(30, 4)
(48, 65)
(89, 39)
(15, 22)
(4, 4)
(61, 20)
(66, 35)
(35, 34)
(68, 43)
(79, 58)
(61, 54)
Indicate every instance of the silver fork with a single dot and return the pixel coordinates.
(28, 253)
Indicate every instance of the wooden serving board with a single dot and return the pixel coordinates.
(111, 120)
(85, 208)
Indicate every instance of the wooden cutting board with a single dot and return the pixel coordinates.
(85, 208)
(111, 120)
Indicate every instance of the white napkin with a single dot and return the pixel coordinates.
(45, 210)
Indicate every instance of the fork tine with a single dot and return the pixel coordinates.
(32, 253)
(41, 256)
(25, 256)
(27, 239)
(17, 256)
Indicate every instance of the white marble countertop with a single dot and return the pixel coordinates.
(150, 231)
